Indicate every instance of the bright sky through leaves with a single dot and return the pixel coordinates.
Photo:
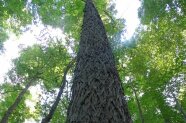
(126, 9)
(150, 60)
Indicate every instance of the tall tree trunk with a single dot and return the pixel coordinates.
(54, 106)
(10, 110)
(97, 95)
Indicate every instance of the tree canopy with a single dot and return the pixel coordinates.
(151, 64)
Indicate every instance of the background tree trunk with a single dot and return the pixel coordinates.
(10, 110)
(138, 104)
(97, 95)
(179, 107)
(49, 116)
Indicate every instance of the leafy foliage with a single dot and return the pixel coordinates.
(156, 60)
(9, 92)
(152, 66)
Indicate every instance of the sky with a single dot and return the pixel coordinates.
(126, 9)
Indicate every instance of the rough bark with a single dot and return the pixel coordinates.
(10, 110)
(54, 106)
(97, 95)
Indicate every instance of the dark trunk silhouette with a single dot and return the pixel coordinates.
(97, 95)
(139, 107)
(180, 109)
(138, 104)
(54, 106)
(10, 110)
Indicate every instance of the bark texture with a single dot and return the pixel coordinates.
(97, 95)
(10, 110)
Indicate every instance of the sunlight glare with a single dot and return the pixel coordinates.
(128, 9)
